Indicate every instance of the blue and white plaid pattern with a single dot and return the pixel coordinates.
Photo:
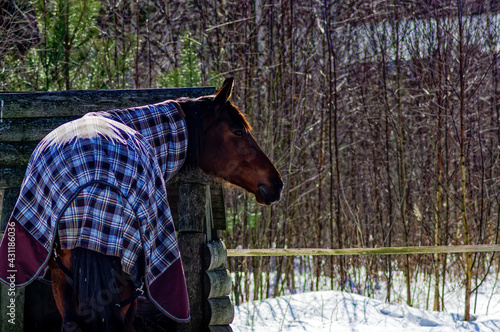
(162, 126)
(102, 179)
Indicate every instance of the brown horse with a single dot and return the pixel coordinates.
(91, 290)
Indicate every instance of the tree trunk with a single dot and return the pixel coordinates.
(463, 180)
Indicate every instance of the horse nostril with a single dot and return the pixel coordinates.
(278, 183)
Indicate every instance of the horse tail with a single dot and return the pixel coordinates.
(98, 291)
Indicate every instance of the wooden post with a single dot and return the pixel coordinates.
(203, 255)
(192, 238)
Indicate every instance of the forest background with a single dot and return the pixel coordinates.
(382, 116)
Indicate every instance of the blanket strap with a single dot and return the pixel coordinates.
(138, 292)
(66, 271)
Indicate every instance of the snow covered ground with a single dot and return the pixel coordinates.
(340, 311)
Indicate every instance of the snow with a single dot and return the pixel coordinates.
(362, 306)
(341, 311)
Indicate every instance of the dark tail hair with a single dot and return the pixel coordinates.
(98, 290)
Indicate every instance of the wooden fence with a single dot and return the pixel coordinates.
(196, 201)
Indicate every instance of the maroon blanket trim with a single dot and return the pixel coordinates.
(29, 260)
(170, 285)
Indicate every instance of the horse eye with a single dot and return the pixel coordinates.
(239, 133)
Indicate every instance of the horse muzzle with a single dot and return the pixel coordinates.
(268, 194)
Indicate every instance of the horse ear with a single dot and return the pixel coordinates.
(224, 93)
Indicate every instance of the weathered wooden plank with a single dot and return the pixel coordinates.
(9, 201)
(16, 153)
(11, 309)
(11, 301)
(78, 102)
(11, 176)
(29, 129)
(11, 306)
(221, 311)
(217, 283)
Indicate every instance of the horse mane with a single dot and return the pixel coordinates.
(195, 108)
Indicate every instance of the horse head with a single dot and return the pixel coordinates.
(228, 149)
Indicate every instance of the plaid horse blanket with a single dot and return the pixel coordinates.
(100, 181)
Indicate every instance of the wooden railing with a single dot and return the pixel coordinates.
(410, 250)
